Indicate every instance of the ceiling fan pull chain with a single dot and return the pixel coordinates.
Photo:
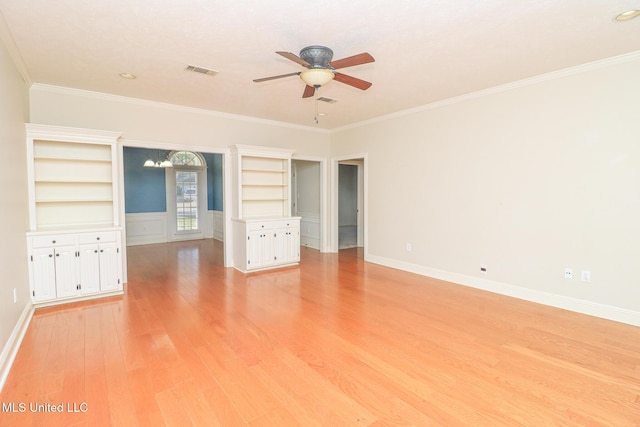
(315, 117)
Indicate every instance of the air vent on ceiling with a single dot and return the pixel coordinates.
(201, 70)
(329, 100)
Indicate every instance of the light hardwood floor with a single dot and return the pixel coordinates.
(334, 342)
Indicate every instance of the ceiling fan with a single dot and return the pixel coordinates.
(320, 69)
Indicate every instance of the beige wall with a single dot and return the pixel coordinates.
(308, 186)
(14, 213)
(527, 180)
(140, 120)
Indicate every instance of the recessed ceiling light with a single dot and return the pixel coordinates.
(128, 76)
(625, 16)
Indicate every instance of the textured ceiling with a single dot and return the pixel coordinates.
(425, 50)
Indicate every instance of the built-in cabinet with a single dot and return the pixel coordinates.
(265, 234)
(269, 243)
(74, 264)
(74, 238)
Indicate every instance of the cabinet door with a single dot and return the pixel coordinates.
(109, 267)
(66, 261)
(293, 244)
(89, 269)
(288, 245)
(268, 243)
(43, 275)
(254, 249)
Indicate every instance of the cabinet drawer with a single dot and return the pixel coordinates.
(97, 237)
(271, 225)
(53, 240)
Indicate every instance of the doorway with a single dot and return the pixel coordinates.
(349, 196)
(307, 199)
(186, 186)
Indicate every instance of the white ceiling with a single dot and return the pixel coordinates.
(425, 50)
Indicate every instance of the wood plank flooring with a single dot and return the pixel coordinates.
(333, 342)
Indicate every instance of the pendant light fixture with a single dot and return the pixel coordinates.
(166, 163)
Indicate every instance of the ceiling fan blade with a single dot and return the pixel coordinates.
(352, 81)
(264, 79)
(295, 58)
(362, 58)
(309, 91)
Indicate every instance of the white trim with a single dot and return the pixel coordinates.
(309, 222)
(262, 151)
(71, 134)
(177, 146)
(12, 346)
(174, 107)
(621, 59)
(335, 161)
(171, 197)
(217, 221)
(146, 228)
(559, 301)
(325, 236)
(80, 298)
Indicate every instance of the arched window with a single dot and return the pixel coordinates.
(186, 158)
(189, 182)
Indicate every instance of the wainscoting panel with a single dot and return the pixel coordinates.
(150, 228)
(309, 230)
(218, 225)
(146, 228)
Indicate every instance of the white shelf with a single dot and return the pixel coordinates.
(72, 177)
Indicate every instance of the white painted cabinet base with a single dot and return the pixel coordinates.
(70, 266)
(263, 244)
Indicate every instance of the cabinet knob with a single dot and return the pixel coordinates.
(97, 238)
(57, 254)
(50, 256)
(53, 241)
(101, 250)
(95, 251)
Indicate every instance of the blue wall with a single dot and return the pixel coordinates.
(214, 181)
(145, 188)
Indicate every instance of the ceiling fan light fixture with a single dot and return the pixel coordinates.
(316, 77)
(626, 16)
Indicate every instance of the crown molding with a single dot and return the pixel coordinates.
(14, 53)
(554, 75)
(174, 107)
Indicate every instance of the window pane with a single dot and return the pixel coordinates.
(187, 200)
(185, 158)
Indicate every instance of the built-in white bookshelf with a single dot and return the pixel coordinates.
(74, 239)
(265, 187)
(72, 178)
(265, 234)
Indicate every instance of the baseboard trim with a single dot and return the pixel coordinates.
(12, 346)
(604, 311)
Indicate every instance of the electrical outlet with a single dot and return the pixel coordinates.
(568, 273)
(585, 276)
(408, 247)
(15, 295)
